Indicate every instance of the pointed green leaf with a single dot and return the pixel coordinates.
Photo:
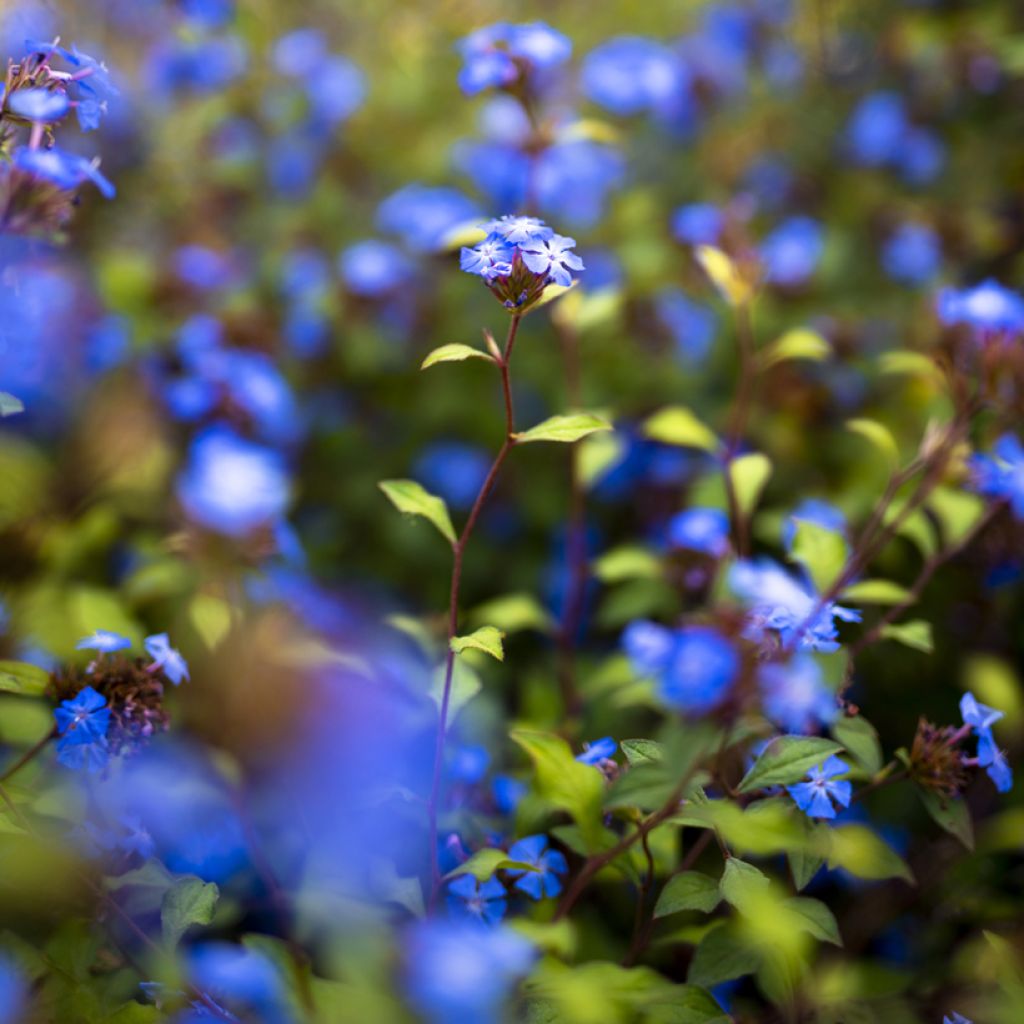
(189, 901)
(799, 343)
(627, 563)
(691, 890)
(678, 425)
(864, 854)
(414, 500)
(722, 955)
(741, 883)
(878, 435)
(512, 613)
(860, 739)
(817, 919)
(454, 353)
(9, 405)
(787, 760)
(949, 813)
(565, 428)
(482, 864)
(22, 678)
(641, 751)
(916, 634)
(486, 639)
(804, 865)
(749, 474)
(875, 592)
(821, 551)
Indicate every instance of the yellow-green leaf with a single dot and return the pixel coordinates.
(875, 592)
(724, 275)
(22, 678)
(821, 551)
(564, 428)
(878, 435)
(749, 475)
(675, 424)
(864, 854)
(916, 634)
(414, 500)
(454, 353)
(627, 563)
(799, 343)
(482, 864)
(486, 639)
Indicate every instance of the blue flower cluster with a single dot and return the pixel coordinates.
(519, 258)
(1001, 474)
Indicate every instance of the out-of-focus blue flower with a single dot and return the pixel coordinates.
(458, 971)
(600, 750)
(242, 980)
(988, 308)
(13, 992)
(336, 90)
(203, 268)
(698, 224)
(1001, 474)
(63, 169)
(956, 1018)
(293, 162)
(700, 529)
(912, 254)
(791, 252)
(372, 268)
(770, 180)
(632, 75)
(779, 603)
(783, 64)
(691, 324)
(552, 256)
(694, 667)
(202, 65)
(468, 764)
(573, 179)
(304, 272)
(815, 797)
(980, 717)
(495, 56)
(422, 216)
(813, 510)
(42, 105)
(85, 718)
(550, 864)
(232, 485)
(877, 128)
(108, 343)
(795, 697)
(166, 657)
(921, 156)
(454, 470)
(299, 52)
(481, 901)
(502, 171)
(103, 640)
(507, 792)
(210, 13)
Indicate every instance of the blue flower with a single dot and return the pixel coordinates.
(297, 53)
(336, 90)
(815, 798)
(631, 75)
(242, 979)
(600, 750)
(573, 179)
(988, 308)
(956, 1018)
(694, 667)
(42, 105)
(912, 254)
(791, 252)
(795, 697)
(453, 470)
(507, 792)
(691, 324)
(203, 268)
(232, 485)
(422, 216)
(813, 510)
(458, 971)
(698, 224)
(496, 55)
(552, 256)
(103, 640)
(1001, 474)
(166, 657)
(85, 718)
(490, 258)
(517, 229)
(700, 529)
(779, 603)
(877, 128)
(482, 901)
(373, 269)
(13, 992)
(980, 717)
(549, 863)
(63, 169)
(921, 156)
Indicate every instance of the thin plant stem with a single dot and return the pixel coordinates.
(738, 417)
(29, 755)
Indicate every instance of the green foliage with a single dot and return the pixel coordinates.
(189, 901)
(22, 678)
(787, 760)
(689, 890)
(486, 639)
(916, 634)
(412, 499)
(860, 739)
(484, 863)
(822, 552)
(565, 429)
(678, 425)
(749, 475)
(454, 353)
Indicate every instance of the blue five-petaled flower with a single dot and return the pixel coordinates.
(815, 798)
(82, 724)
(166, 657)
(549, 864)
(980, 717)
(600, 750)
(1001, 474)
(103, 640)
(483, 901)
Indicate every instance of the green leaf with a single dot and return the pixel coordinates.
(482, 864)
(799, 343)
(741, 883)
(9, 405)
(722, 956)
(646, 786)
(412, 499)
(465, 686)
(818, 920)
(675, 424)
(454, 353)
(641, 751)
(22, 678)
(949, 813)
(804, 865)
(822, 552)
(913, 363)
(189, 901)
(875, 592)
(486, 639)
(597, 453)
(690, 890)
(958, 513)
(860, 739)
(787, 760)
(858, 850)
(724, 275)
(749, 474)
(513, 613)
(210, 617)
(878, 435)
(626, 563)
(916, 634)
(564, 781)
(565, 428)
